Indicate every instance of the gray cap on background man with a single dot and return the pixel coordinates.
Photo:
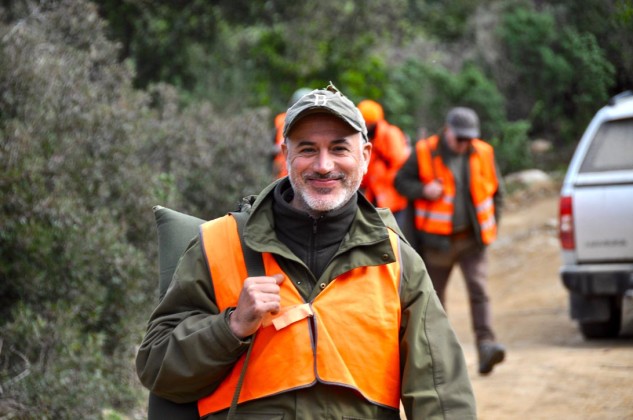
(464, 122)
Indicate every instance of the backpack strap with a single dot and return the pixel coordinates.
(253, 259)
(175, 229)
(254, 267)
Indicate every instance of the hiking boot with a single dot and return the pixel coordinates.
(490, 354)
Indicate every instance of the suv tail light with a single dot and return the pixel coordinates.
(566, 223)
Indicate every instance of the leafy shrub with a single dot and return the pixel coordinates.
(561, 76)
(85, 156)
(512, 151)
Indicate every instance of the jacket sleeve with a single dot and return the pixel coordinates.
(407, 181)
(499, 195)
(188, 347)
(435, 382)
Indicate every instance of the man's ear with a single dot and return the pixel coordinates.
(367, 146)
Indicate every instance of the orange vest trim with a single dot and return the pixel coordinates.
(390, 151)
(279, 127)
(311, 341)
(436, 217)
(279, 161)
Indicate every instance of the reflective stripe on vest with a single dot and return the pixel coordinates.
(436, 217)
(286, 355)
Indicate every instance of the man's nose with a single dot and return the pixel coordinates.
(324, 162)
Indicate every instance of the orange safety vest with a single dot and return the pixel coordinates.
(390, 151)
(335, 339)
(436, 217)
(279, 161)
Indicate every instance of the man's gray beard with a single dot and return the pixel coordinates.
(317, 204)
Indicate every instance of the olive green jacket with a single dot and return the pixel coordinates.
(188, 348)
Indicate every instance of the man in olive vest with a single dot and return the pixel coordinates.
(345, 322)
(454, 183)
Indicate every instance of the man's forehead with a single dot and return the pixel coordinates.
(334, 140)
(321, 123)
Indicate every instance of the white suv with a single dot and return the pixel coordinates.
(596, 222)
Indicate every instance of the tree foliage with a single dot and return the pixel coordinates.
(610, 22)
(85, 156)
(239, 53)
(560, 77)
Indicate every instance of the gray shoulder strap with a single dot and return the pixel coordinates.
(253, 259)
(254, 267)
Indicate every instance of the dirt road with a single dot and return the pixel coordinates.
(550, 372)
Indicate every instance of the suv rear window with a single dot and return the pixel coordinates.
(611, 148)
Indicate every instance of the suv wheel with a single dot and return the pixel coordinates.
(604, 329)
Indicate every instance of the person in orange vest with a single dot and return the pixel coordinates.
(458, 193)
(389, 152)
(279, 161)
(344, 323)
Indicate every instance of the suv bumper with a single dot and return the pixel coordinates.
(598, 292)
(598, 280)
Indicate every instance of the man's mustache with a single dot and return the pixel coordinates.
(333, 175)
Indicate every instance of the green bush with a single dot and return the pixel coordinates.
(85, 156)
(561, 77)
(512, 150)
(59, 371)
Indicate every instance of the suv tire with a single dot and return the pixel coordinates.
(605, 329)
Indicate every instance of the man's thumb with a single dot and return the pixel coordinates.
(279, 278)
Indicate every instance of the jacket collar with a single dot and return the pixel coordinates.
(295, 227)
(365, 228)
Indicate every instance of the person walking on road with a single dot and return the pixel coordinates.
(279, 161)
(390, 149)
(345, 323)
(458, 194)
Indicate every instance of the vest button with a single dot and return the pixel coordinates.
(322, 286)
(385, 257)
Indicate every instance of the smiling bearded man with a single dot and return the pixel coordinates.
(343, 323)
(326, 161)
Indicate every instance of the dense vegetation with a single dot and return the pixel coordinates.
(109, 108)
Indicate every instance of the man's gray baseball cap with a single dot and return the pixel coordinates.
(464, 122)
(328, 100)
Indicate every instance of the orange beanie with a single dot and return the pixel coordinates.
(372, 111)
